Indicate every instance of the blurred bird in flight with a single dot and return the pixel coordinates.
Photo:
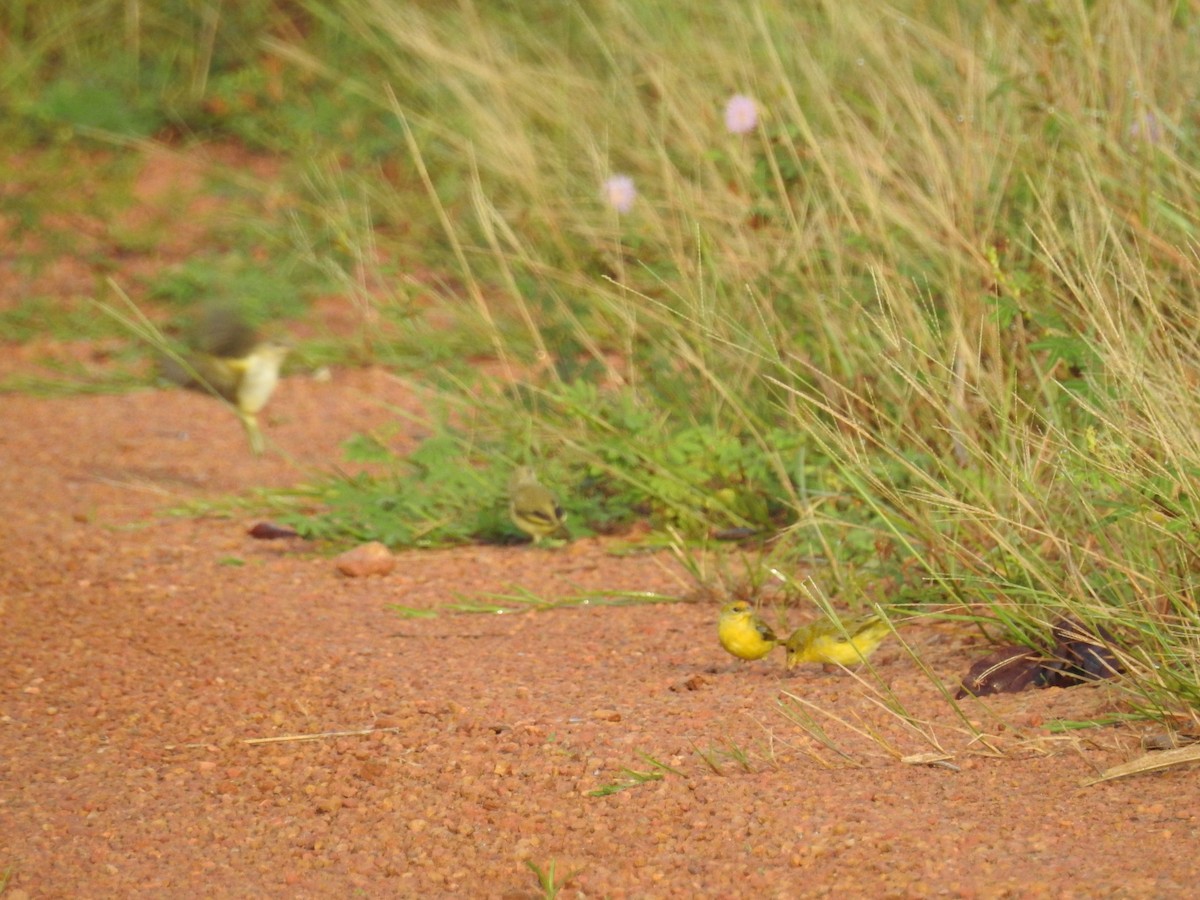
(233, 362)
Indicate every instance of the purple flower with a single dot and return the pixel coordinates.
(741, 114)
(1146, 128)
(619, 193)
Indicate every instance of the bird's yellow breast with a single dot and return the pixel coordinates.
(739, 634)
(260, 375)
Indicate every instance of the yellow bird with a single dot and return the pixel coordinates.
(743, 633)
(232, 362)
(532, 507)
(247, 382)
(824, 642)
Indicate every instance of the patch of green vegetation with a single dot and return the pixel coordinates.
(1107, 721)
(412, 612)
(547, 878)
(99, 100)
(635, 778)
(436, 500)
(694, 480)
(715, 757)
(262, 295)
(67, 386)
(61, 199)
(45, 317)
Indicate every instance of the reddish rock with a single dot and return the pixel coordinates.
(366, 559)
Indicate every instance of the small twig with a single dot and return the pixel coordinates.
(940, 760)
(286, 738)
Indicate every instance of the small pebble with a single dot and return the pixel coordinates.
(366, 559)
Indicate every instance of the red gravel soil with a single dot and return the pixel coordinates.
(142, 671)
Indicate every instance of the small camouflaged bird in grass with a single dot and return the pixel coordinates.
(532, 507)
(233, 362)
(743, 633)
(824, 641)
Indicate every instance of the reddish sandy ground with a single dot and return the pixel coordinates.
(140, 665)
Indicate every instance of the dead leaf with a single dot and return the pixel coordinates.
(1151, 762)
(1086, 655)
(269, 531)
(1004, 671)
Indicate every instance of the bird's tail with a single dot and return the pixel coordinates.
(171, 369)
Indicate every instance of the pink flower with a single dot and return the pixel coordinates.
(741, 114)
(1147, 128)
(619, 193)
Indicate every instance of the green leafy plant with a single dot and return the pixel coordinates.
(635, 778)
(547, 878)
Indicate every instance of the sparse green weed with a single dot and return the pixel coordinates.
(547, 878)
(635, 778)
